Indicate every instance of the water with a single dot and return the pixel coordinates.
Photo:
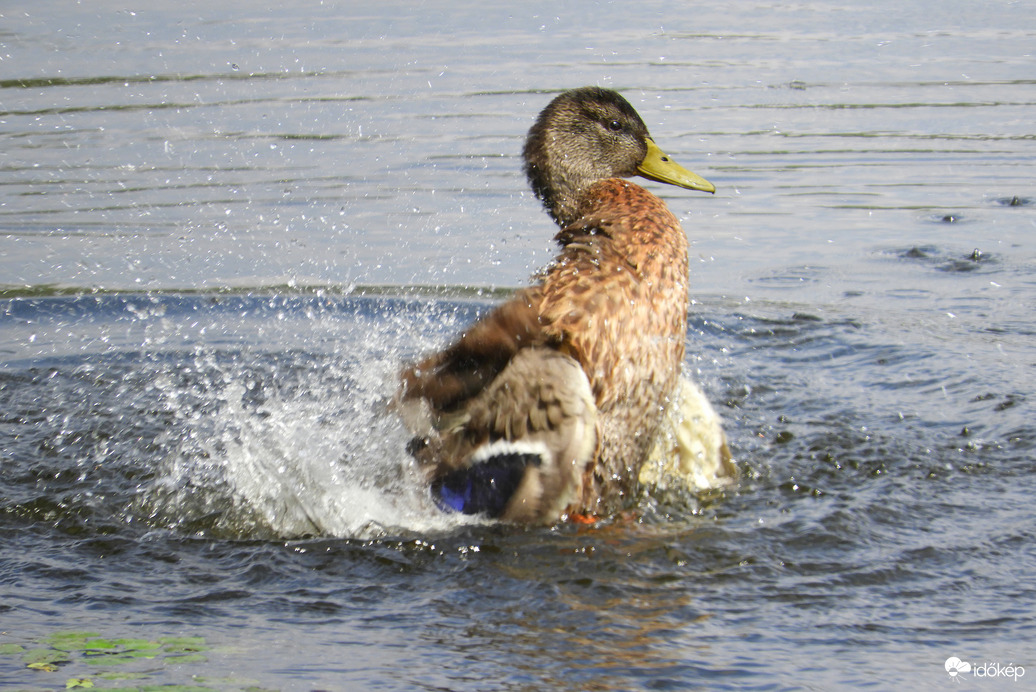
(201, 210)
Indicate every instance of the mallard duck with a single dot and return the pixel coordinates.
(550, 405)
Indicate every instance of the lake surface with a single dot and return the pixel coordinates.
(223, 230)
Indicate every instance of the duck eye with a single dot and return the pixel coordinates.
(615, 126)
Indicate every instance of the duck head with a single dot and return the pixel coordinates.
(591, 134)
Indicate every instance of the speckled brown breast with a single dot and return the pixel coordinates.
(616, 300)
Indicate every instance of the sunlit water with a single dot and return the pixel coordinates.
(195, 206)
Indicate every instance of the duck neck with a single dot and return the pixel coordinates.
(561, 198)
(563, 209)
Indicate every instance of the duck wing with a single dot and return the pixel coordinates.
(520, 449)
(445, 380)
(504, 423)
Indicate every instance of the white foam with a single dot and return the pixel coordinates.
(319, 455)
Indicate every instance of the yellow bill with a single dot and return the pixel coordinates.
(657, 166)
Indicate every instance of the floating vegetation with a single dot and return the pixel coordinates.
(96, 662)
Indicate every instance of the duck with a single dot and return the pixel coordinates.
(562, 401)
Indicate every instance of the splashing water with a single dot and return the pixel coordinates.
(295, 444)
(238, 416)
(328, 463)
